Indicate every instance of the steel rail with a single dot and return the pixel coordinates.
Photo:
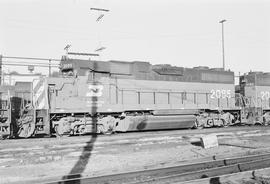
(213, 172)
(178, 173)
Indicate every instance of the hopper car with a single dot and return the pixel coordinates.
(92, 96)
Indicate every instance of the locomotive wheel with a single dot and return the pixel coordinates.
(224, 123)
(81, 130)
(3, 137)
(210, 123)
(102, 130)
(196, 125)
(106, 125)
(26, 130)
(258, 123)
(266, 122)
(58, 131)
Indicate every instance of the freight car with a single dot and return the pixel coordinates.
(104, 97)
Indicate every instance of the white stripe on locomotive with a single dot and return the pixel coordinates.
(41, 104)
(39, 94)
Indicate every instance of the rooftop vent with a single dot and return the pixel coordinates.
(217, 69)
(201, 68)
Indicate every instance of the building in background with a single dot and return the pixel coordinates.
(25, 69)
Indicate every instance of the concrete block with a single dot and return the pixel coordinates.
(42, 159)
(57, 158)
(209, 141)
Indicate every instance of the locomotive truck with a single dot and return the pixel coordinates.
(115, 96)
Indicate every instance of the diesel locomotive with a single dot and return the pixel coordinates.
(92, 96)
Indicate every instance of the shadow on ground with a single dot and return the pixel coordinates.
(76, 172)
(197, 143)
(79, 167)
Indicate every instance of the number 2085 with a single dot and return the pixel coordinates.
(220, 93)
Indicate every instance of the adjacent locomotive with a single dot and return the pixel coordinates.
(255, 88)
(14, 99)
(5, 110)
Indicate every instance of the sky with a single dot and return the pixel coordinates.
(183, 33)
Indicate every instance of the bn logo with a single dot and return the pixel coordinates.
(94, 90)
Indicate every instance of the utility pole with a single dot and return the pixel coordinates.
(223, 53)
(50, 67)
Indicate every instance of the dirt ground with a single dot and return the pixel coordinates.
(47, 159)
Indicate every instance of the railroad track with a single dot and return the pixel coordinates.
(190, 172)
